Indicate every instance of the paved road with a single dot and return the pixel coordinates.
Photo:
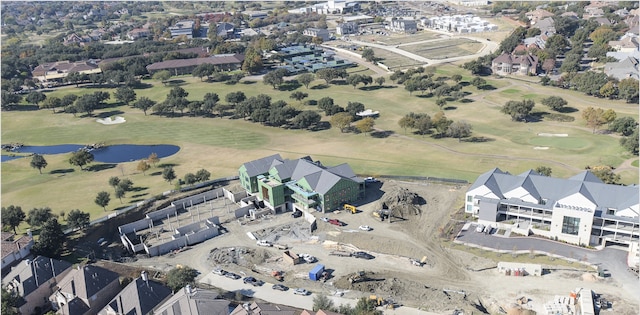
(611, 259)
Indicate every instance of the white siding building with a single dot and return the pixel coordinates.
(578, 210)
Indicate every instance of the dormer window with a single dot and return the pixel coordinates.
(611, 211)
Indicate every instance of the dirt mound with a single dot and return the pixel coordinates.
(589, 277)
(241, 256)
(399, 290)
(401, 202)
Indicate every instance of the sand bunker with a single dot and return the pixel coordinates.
(109, 121)
(541, 148)
(553, 135)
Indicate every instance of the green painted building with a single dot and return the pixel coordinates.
(304, 184)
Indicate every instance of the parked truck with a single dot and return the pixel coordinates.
(341, 253)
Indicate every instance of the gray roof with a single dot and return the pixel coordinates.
(193, 302)
(87, 280)
(261, 166)
(75, 306)
(139, 297)
(553, 189)
(264, 309)
(30, 274)
(626, 68)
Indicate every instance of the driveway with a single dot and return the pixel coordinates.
(613, 260)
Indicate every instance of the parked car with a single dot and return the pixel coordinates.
(296, 214)
(369, 180)
(325, 219)
(280, 287)
(480, 228)
(300, 291)
(308, 258)
(365, 228)
(336, 222)
(253, 281)
(232, 275)
(264, 243)
(363, 255)
(219, 272)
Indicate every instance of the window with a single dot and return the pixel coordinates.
(469, 198)
(469, 208)
(611, 211)
(570, 225)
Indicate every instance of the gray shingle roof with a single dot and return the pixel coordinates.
(261, 166)
(30, 274)
(139, 297)
(196, 302)
(88, 280)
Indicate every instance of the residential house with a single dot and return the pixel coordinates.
(405, 26)
(347, 28)
(35, 280)
(546, 26)
(182, 28)
(138, 33)
(592, 12)
(627, 43)
(256, 308)
(225, 30)
(580, 210)
(537, 15)
(14, 248)
(225, 62)
(602, 21)
(76, 39)
(319, 312)
(317, 32)
(633, 22)
(138, 298)
(506, 64)
(623, 69)
(85, 290)
(193, 301)
(304, 184)
(470, 3)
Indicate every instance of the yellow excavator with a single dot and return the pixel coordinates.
(348, 207)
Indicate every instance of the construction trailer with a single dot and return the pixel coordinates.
(290, 257)
(316, 273)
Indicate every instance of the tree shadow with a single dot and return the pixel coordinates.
(382, 134)
(487, 87)
(478, 139)
(22, 108)
(100, 167)
(163, 165)
(428, 95)
(142, 86)
(464, 83)
(110, 113)
(323, 125)
(289, 85)
(62, 171)
(319, 87)
(248, 82)
(121, 207)
(339, 82)
(450, 108)
(567, 110)
(139, 195)
(176, 82)
(535, 117)
(466, 100)
(137, 189)
(155, 174)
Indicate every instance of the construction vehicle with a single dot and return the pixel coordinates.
(281, 246)
(379, 301)
(357, 277)
(382, 214)
(348, 207)
(277, 275)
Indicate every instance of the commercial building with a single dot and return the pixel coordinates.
(182, 28)
(304, 184)
(347, 28)
(317, 32)
(225, 62)
(579, 210)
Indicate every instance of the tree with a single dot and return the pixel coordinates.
(366, 306)
(380, 81)
(306, 79)
(298, 95)
(209, 102)
(596, 117)
(38, 216)
(144, 103)
(102, 199)
(35, 97)
(456, 78)
(50, 243)
(354, 80)
(406, 122)
(630, 143)
(203, 175)
(125, 184)
(77, 219)
(143, 167)
(86, 103)
(628, 90)
(177, 278)
(119, 193)
(341, 120)
(325, 102)
(441, 123)
(441, 102)
(328, 74)
(10, 301)
(423, 123)
(190, 178)
(38, 161)
(81, 158)
(168, 174)
(9, 99)
(478, 82)
(624, 125)
(354, 107)
(274, 78)
(554, 102)
(603, 35)
(52, 102)
(306, 119)
(365, 125)
(153, 158)
(12, 216)
(518, 110)
(235, 97)
(543, 170)
(162, 76)
(125, 95)
(459, 129)
(368, 55)
(114, 181)
(322, 302)
(252, 61)
(605, 174)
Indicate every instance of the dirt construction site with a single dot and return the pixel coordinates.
(415, 263)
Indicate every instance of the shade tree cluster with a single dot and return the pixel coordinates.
(424, 124)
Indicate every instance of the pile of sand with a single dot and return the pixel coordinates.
(109, 121)
(400, 201)
(589, 277)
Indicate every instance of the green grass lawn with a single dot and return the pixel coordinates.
(221, 145)
(635, 163)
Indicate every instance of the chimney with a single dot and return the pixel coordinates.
(145, 277)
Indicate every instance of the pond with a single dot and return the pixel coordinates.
(117, 153)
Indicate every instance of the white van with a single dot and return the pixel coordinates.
(480, 228)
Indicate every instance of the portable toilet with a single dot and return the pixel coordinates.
(316, 272)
